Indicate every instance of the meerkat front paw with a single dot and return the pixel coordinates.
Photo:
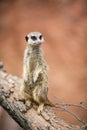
(36, 74)
(28, 104)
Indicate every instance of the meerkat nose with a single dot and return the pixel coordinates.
(26, 38)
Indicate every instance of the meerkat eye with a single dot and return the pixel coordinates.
(26, 38)
(40, 37)
(33, 38)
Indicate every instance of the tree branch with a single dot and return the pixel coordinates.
(28, 119)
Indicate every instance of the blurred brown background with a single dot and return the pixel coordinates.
(64, 26)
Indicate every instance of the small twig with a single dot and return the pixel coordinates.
(72, 113)
(63, 106)
(75, 105)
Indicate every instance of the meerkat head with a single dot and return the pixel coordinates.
(34, 38)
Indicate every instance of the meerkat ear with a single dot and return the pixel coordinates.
(26, 38)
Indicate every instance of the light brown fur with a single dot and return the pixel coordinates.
(35, 78)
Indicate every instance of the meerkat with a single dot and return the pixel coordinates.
(35, 78)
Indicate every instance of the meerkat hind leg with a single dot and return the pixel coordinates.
(27, 98)
(40, 108)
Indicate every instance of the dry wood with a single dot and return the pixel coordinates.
(28, 119)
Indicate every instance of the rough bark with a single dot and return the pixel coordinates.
(28, 119)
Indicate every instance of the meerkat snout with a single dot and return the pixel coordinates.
(34, 38)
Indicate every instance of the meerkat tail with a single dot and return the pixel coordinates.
(49, 103)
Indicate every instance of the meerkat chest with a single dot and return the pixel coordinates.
(35, 65)
(35, 62)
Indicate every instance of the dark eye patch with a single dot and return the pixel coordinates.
(33, 38)
(26, 38)
(40, 37)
